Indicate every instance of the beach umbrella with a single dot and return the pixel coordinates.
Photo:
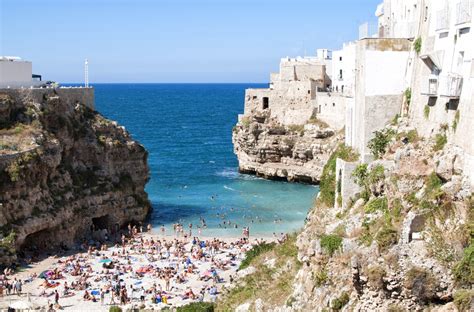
(105, 260)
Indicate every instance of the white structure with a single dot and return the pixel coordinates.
(443, 91)
(343, 69)
(86, 73)
(380, 70)
(15, 72)
(399, 18)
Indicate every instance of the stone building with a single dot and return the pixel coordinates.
(442, 88)
(289, 98)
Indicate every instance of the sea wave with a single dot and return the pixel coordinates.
(230, 173)
(229, 188)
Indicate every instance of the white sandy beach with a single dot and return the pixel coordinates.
(195, 273)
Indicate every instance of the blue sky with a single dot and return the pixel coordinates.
(173, 40)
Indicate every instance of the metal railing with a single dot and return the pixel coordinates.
(429, 85)
(450, 85)
(442, 19)
(463, 12)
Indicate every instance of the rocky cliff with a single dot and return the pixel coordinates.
(65, 172)
(404, 243)
(295, 153)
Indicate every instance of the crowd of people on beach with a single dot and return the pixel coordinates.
(140, 269)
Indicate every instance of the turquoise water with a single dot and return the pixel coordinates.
(187, 131)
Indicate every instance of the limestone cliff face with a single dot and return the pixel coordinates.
(404, 245)
(294, 153)
(65, 170)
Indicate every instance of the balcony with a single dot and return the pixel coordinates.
(450, 85)
(463, 12)
(442, 19)
(429, 85)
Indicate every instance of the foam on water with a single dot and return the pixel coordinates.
(187, 131)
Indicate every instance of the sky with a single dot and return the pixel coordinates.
(174, 40)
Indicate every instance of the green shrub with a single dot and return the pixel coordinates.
(426, 111)
(456, 121)
(376, 175)
(440, 142)
(338, 303)
(395, 120)
(366, 238)
(115, 309)
(320, 277)
(360, 175)
(197, 307)
(433, 187)
(417, 45)
(245, 121)
(378, 144)
(463, 299)
(254, 253)
(376, 204)
(331, 243)
(408, 96)
(412, 136)
(327, 185)
(464, 270)
(386, 237)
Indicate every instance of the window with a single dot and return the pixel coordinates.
(340, 58)
(464, 31)
(265, 103)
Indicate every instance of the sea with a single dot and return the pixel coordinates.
(187, 130)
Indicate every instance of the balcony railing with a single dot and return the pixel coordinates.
(442, 19)
(429, 85)
(450, 85)
(463, 12)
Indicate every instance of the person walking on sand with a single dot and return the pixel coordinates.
(56, 297)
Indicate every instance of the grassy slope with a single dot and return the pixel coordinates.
(273, 285)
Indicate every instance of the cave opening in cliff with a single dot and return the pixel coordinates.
(265, 102)
(100, 223)
(38, 242)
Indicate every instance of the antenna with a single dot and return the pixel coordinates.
(86, 73)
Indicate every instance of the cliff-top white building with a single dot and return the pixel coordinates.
(15, 72)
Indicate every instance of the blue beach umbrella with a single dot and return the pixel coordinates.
(105, 261)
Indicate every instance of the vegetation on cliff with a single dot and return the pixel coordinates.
(272, 268)
(62, 164)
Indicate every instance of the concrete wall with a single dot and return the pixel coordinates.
(330, 108)
(348, 188)
(381, 67)
(70, 96)
(15, 73)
